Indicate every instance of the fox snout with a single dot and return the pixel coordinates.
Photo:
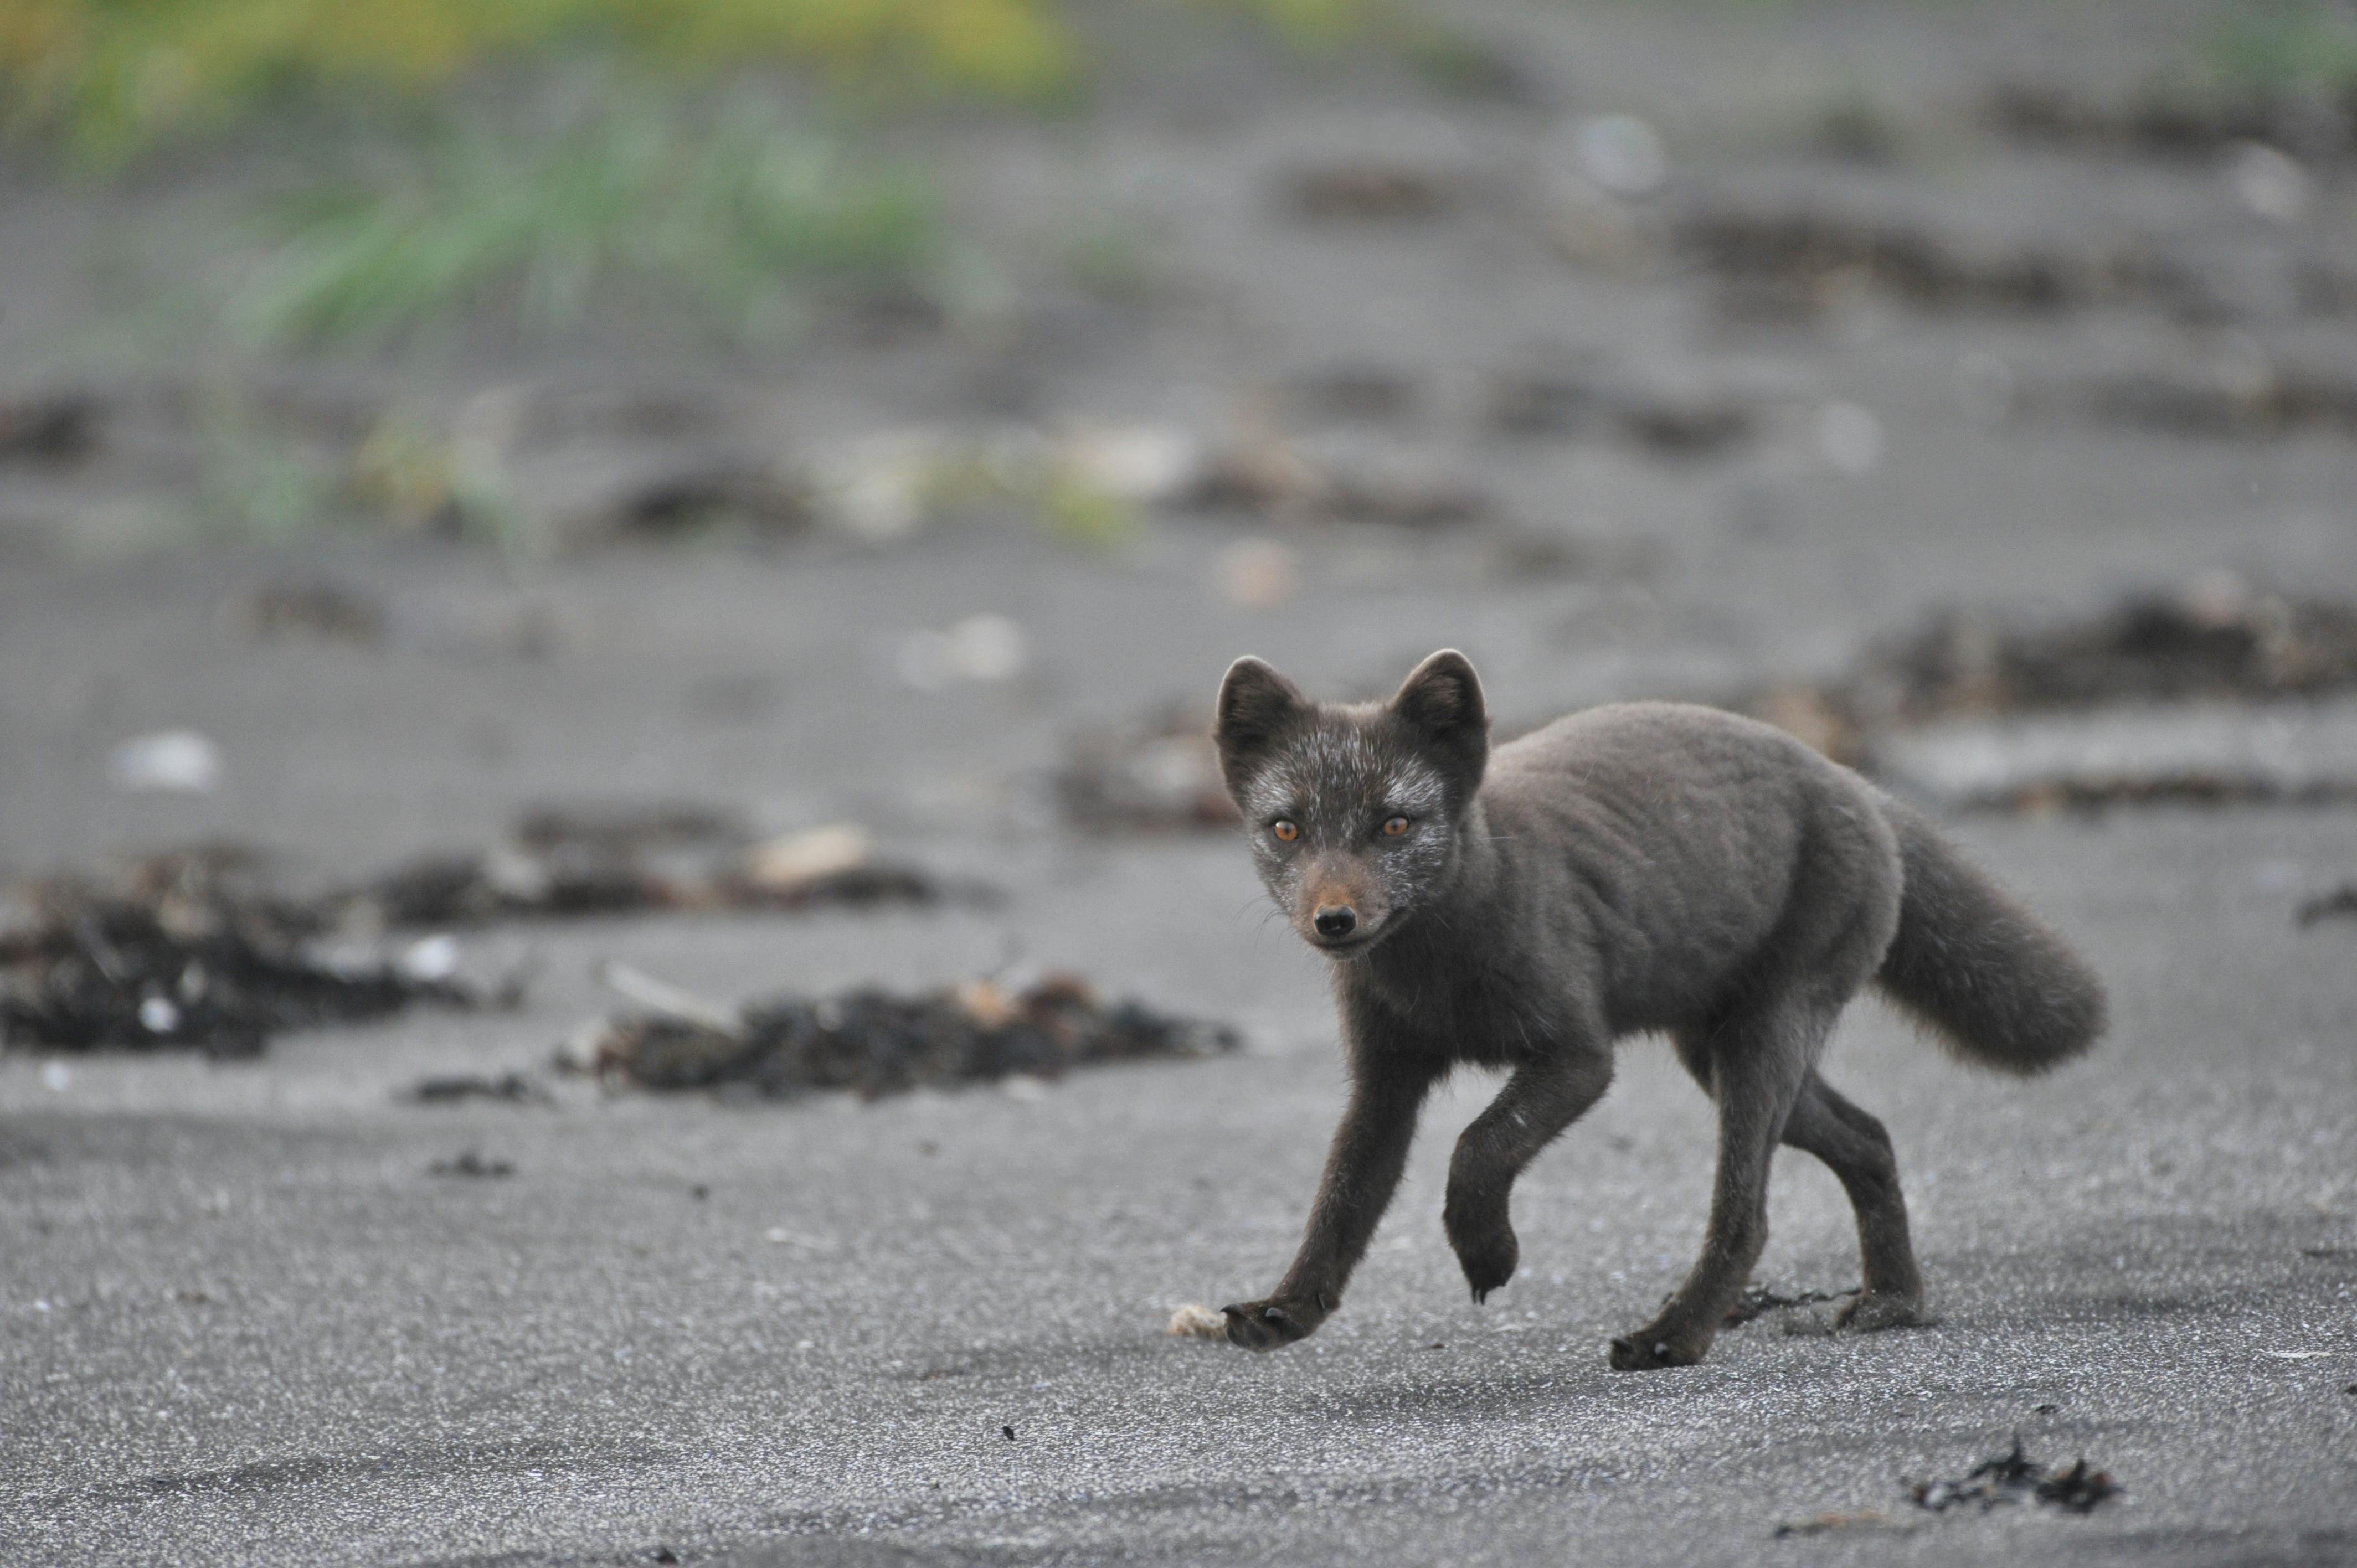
(1336, 910)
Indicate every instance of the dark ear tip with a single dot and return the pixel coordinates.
(1253, 698)
(1252, 675)
(1251, 664)
(1443, 694)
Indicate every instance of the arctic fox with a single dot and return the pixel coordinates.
(1639, 867)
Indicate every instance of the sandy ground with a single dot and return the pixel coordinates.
(239, 1322)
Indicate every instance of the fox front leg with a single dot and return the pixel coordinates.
(1542, 1098)
(1362, 1171)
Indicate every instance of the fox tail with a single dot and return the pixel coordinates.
(1996, 985)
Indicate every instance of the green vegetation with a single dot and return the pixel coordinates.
(2288, 47)
(729, 214)
(113, 76)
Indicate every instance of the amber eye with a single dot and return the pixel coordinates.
(1284, 830)
(1393, 828)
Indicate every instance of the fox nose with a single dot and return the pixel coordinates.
(1335, 922)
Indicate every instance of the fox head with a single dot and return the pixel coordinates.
(1353, 812)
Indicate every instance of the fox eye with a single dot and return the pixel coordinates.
(1284, 830)
(1395, 827)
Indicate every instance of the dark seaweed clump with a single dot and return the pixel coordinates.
(2224, 640)
(187, 949)
(2012, 1477)
(876, 1042)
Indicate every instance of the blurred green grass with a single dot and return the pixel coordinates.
(730, 211)
(2285, 46)
(111, 76)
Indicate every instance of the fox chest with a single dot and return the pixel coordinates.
(1484, 1019)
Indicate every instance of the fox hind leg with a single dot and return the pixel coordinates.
(1757, 1063)
(1856, 1149)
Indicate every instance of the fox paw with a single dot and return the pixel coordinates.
(1485, 1246)
(1649, 1351)
(1265, 1325)
(1488, 1262)
(1884, 1310)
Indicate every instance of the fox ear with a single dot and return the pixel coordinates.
(1441, 702)
(1256, 704)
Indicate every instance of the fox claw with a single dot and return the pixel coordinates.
(1266, 1324)
(1489, 1262)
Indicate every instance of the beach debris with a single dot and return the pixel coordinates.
(569, 862)
(453, 1089)
(1143, 463)
(875, 1042)
(317, 607)
(717, 493)
(166, 762)
(1195, 1321)
(1161, 774)
(2245, 399)
(1620, 153)
(1695, 424)
(1265, 475)
(2270, 182)
(1758, 1301)
(2175, 123)
(2220, 691)
(2219, 637)
(2012, 1477)
(52, 428)
(1371, 190)
(1841, 1520)
(470, 1163)
(190, 949)
(2338, 903)
(1800, 263)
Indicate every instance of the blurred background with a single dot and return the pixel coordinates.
(490, 457)
(844, 411)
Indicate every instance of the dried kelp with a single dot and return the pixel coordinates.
(1670, 424)
(2219, 638)
(2163, 123)
(2255, 401)
(1269, 477)
(875, 1043)
(1372, 191)
(2012, 1477)
(1758, 1301)
(1798, 264)
(313, 607)
(191, 950)
(2338, 903)
(53, 428)
(470, 1163)
(565, 863)
(453, 1089)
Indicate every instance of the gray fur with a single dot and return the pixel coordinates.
(1645, 868)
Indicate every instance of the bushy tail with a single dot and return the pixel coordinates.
(1996, 985)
